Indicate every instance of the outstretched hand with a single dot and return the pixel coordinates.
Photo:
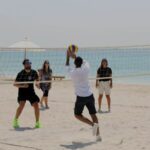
(71, 54)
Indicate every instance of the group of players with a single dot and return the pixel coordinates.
(79, 74)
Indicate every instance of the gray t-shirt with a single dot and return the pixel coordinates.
(45, 76)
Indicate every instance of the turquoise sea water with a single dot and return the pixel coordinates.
(123, 61)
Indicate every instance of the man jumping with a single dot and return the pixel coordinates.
(84, 96)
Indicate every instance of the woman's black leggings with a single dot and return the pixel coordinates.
(45, 93)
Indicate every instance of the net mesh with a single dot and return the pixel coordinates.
(125, 61)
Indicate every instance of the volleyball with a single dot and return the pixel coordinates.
(73, 48)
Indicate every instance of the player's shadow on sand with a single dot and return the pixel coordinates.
(21, 129)
(77, 145)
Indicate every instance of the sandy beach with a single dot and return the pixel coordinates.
(127, 127)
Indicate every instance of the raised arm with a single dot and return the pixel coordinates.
(69, 55)
(67, 60)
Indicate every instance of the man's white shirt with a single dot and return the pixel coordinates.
(80, 80)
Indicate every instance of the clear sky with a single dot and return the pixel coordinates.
(57, 23)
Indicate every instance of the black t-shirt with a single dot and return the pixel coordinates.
(104, 72)
(24, 76)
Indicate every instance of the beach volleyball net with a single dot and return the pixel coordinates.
(130, 63)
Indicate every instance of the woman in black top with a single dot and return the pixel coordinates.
(105, 84)
(45, 75)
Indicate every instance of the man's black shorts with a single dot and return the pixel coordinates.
(32, 98)
(89, 102)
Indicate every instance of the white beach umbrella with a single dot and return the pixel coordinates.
(27, 46)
